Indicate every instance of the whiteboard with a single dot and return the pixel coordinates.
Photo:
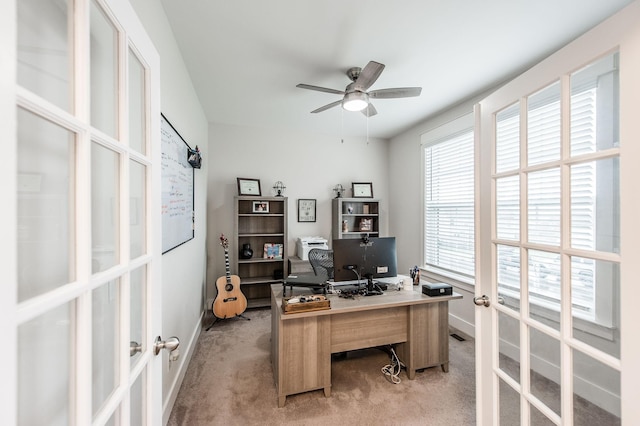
(177, 189)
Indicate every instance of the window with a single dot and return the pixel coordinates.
(449, 247)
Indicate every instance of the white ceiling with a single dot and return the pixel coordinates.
(245, 57)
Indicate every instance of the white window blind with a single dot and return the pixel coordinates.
(449, 204)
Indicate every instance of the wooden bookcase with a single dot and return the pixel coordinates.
(258, 228)
(352, 214)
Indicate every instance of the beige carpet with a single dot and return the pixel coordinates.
(230, 382)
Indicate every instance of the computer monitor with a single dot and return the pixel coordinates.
(364, 258)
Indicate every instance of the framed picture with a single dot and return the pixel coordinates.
(362, 189)
(260, 207)
(249, 187)
(306, 210)
(366, 224)
(273, 251)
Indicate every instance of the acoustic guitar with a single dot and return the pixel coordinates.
(229, 301)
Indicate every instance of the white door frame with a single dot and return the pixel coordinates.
(619, 32)
(8, 230)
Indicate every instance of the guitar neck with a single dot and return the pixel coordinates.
(226, 265)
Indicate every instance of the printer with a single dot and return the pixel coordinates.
(304, 244)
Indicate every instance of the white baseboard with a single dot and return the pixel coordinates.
(462, 325)
(186, 352)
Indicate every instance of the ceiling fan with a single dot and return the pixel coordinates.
(356, 97)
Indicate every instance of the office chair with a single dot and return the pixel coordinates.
(322, 262)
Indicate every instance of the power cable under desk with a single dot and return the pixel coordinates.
(392, 371)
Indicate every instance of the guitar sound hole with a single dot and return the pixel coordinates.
(228, 287)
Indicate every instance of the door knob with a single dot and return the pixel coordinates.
(134, 348)
(171, 344)
(482, 301)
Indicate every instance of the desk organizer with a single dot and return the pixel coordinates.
(318, 303)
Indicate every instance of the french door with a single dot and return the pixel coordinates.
(558, 152)
(81, 287)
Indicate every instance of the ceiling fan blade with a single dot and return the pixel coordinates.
(369, 111)
(368, 76)
(326, 107)
(398, 92)
(320, 89)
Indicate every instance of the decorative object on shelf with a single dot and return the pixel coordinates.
(362, 189)
(340, 212)
(246, 252)
(260, 207)
(248, 186)
(273, 251)
(366, 224)
(194, 158)
(338, 189)
(279, 188)
(306, 210)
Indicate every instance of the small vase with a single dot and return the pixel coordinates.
(246, 252)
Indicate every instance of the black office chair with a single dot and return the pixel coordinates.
(322, 262)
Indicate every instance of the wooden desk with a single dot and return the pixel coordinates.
(302, 343)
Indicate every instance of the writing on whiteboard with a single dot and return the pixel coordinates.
(177, 189)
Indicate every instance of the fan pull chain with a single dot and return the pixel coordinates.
(367, 126)
(341, 125)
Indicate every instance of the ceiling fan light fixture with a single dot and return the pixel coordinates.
(355, 101)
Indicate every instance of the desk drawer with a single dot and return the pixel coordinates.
(366, 329)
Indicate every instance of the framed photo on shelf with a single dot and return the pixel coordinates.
(366, 224)
(362, 189)
(273, 251)
(306, 210)
(260, 207)
(248, 186)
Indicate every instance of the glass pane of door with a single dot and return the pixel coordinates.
(105, 211)
(588, 410)
(106, 338)
(508, 138)
(137, 105)
(137, 309)
(544, 354)
(137, 194)
(46, 153)
(45, 368)
(136, 405)
(45, 50)
(509, 405)
(509, 349)
(104, 71)
(543, 118)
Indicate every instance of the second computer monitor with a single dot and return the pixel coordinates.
(357, 258)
